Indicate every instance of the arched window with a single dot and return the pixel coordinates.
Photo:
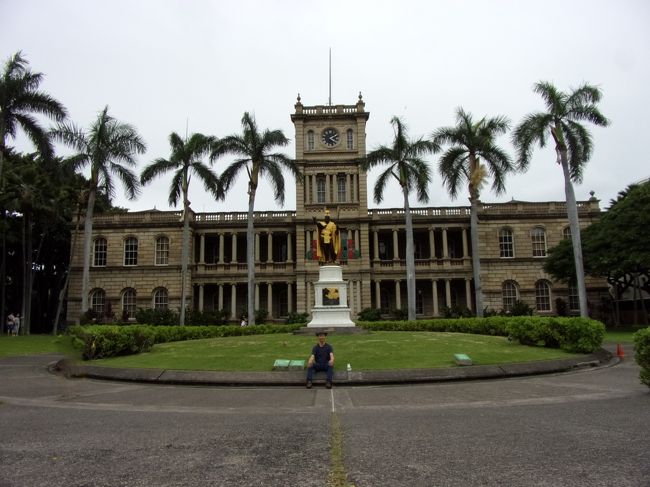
(98, 301)
(99, 252)
(566, 233)
(310, 140)
(542, 296)
(350, 139)
(506, 244)
(131, 251)
(160, 298)
(509, 294)
(162, 251)
(128, 303)
(538, 241)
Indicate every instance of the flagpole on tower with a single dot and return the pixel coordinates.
(330, 77)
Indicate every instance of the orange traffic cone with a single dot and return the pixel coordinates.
(619, 351)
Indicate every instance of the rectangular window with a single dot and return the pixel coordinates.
(542, 296)
(131, 251)
(350, 140)
(162, 251)
(506, 245)
(310, 140)
(320, 189)
(340, 180)
(574, 300)
(100, 251)
(538, 240)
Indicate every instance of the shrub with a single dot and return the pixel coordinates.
(519, 308)
(642, 354)
(261, 315)
(157, 317)
(206, 318)
(297, 318)
(456, 312)
(400, 314)
(370, 314)
(561, 307)
(575, 335)
(103, 341)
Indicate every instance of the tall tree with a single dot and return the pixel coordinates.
(109, 147)
(573, 148)
(253, 151)
(19, 100)
(407, 166)
(185, 159)
(471, 143)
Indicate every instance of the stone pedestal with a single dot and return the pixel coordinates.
(331, 292)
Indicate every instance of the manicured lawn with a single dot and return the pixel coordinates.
(34, 344)
(378, 350)
(620, 336)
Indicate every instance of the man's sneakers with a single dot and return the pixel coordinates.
(308, 384)
(328, 385)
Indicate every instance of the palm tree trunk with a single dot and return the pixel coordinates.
(185, 254)
(574, 224)
(250, 256)
(476, 258)
(410, 258)
(88, 234)
(64, 288)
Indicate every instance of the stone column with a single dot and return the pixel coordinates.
(234, 248)
(436, 310)
(221, 247)
(445, 249)
(269, 299)
(465, 251)
(289, 297)
(202, 249)
(233, 301)
(468, 293)
(200, 297)
(448, 293)
(395, 245)
(257, 247)
(289, 247)
(398, 296)
(269, 250)
(314, 185)
(356, 240)
(378, 294)
(359, 308)
(350, 302)
(375, 234)
(328, 182)
(432, 244)
(257, 296)
(348, 188)
(220, 297)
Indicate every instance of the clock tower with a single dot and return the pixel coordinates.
(330, 141)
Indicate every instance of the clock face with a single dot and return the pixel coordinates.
(330, 137)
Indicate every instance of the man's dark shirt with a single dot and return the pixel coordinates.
(322, 354)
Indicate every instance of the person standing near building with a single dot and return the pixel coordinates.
(10, 324)
(16, 324)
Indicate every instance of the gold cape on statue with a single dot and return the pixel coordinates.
(334, 235)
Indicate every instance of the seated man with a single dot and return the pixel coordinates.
(321, 359)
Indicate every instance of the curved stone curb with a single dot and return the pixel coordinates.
(293, 378)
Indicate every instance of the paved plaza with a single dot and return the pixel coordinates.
(588, 427)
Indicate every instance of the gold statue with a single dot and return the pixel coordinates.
(328, 243)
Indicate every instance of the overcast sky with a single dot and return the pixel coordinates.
(162, 65)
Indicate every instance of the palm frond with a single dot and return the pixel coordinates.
(175, 187)
(380, 184)
(452, 168)
(156, 168)
(530, 131)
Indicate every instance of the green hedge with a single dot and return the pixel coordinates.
(575, 335)
(642, 355)
(103, 341)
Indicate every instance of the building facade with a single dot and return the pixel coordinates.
(136, 256)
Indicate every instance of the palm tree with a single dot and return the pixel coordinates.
(19, 99)
(109, 147)
(405, 164)
(573, 147)
(185, 159)
(472, 142)
(252, 150)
